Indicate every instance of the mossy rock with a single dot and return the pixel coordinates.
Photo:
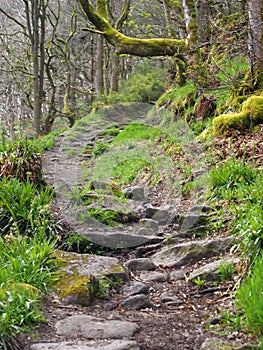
(251, 114)
(81, 274)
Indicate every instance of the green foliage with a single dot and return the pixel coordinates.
(23, 208)
(27, 269)
(19, 311)
(199, 282)
(21, 160)
(241, 185)
(232, 71)
(145, 84)
(226, 271)
(229, 176)
(177, 95)
(111, 131)
(107, 217)
(249, 298)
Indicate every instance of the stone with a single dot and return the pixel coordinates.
(144, 231)
(140, 264)
(88, 345)
(186, 254)
(136, 302)
(135, 192)
(201, 208)
(84, 326)
(177, 276)
(211, 271)
(161, 215)
(215, 343)
(80, 273)
(192, 221)
(167, 297)
(154, 277)
(120, 240)
(150, 224)
(136, 288)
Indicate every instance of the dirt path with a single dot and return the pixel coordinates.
(177, 316)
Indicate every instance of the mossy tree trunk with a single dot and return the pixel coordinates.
(130, 45)
(179, 48)
(195, 61)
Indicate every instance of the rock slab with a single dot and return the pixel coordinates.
(90, 345)
(84, 326)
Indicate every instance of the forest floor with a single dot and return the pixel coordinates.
(196, 320)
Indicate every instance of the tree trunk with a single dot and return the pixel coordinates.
(99, 66)
(167, 15)
(35, 47)
(255, 43)
(202, 19)
(195, 62)
(115, 72)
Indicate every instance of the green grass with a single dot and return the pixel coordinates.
(177, 94)
(137, 131)
(23, 208)
(128, 170)
(27, 270)
(249, 298)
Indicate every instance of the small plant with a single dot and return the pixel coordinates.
(226, 271)
(75, 196)
(104, 286)
(73, 243)
(231, 320)
(99, 149)
(199, 282)
(107, 217)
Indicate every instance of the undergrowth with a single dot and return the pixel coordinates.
(238, 186)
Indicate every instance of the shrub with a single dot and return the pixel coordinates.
(145, 84)
(23, 208)
(21, 160)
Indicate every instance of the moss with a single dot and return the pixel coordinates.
(251, 114)
(78, 289)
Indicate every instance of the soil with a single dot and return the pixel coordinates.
(163, 326)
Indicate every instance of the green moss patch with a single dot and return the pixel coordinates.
(251, 114)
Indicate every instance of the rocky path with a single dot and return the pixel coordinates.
(158, 306)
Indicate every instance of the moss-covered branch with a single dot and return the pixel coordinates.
(132, 46)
